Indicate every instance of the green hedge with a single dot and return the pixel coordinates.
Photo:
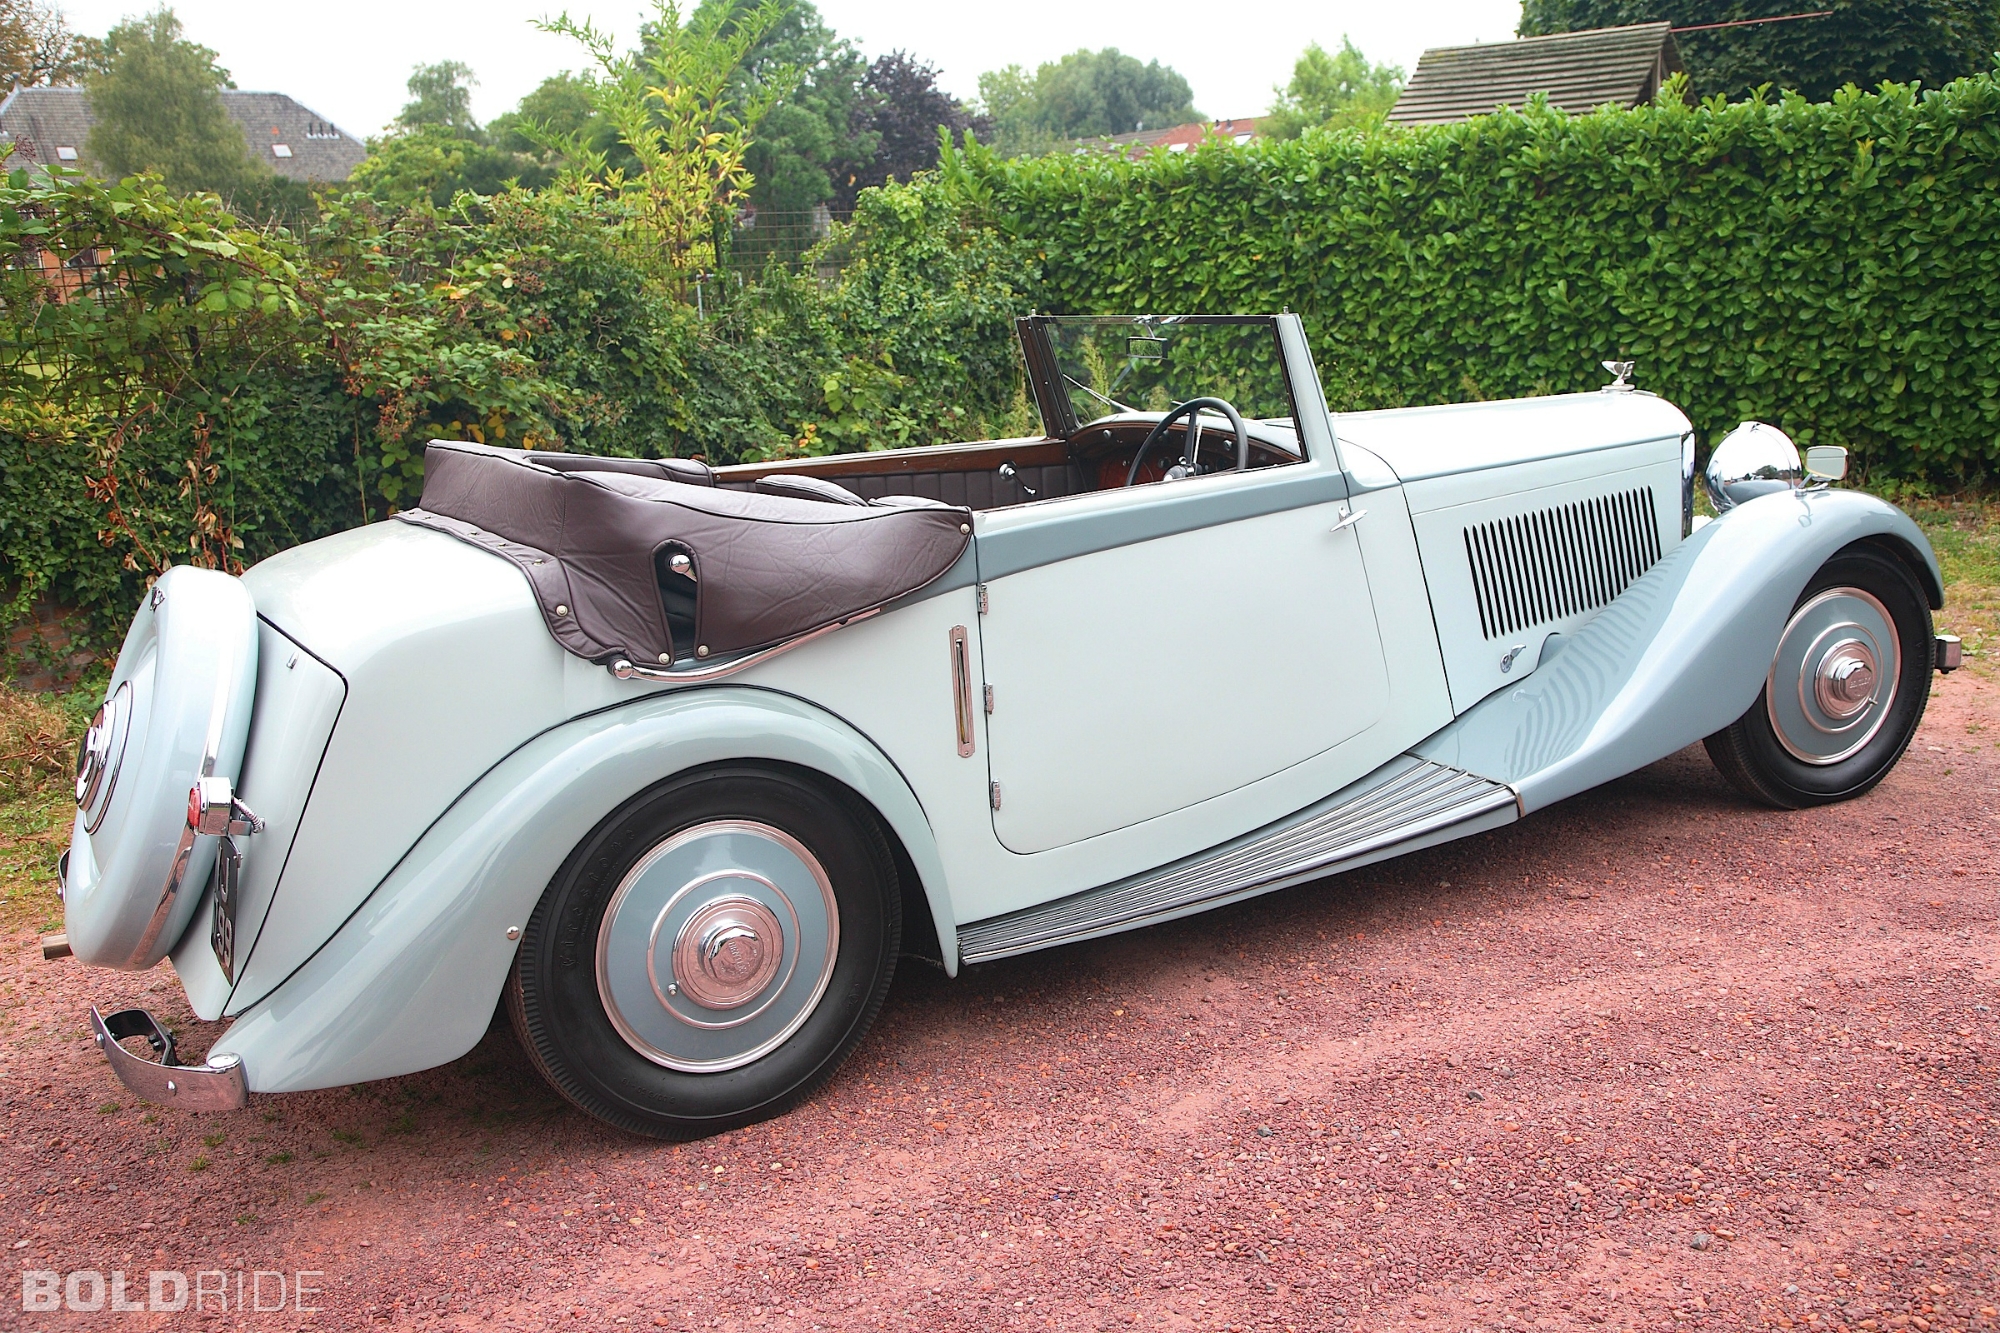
(175, 387)
(1833, 268)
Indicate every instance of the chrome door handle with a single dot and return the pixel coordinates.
(961, 691)
(1348, 518)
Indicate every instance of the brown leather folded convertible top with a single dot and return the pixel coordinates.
(592, 535)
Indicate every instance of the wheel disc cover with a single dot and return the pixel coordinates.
(717, 946)
(1835, 676)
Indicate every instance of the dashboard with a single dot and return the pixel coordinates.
(1102, 451)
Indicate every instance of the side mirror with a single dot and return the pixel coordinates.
(1826, 462)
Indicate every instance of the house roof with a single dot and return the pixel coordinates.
(1578, 71)
(1180, 138)
(294, 141)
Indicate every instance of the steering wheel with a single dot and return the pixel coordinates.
(1191, 409)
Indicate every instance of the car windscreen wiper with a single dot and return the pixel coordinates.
(1109, 402)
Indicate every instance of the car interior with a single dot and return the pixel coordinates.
(1157, 375)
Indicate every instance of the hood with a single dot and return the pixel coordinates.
(1423, 442)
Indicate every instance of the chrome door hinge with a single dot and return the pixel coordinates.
(989, 701)
(993, 794)
(984, 604)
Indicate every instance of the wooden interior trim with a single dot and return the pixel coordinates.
(1028, 451)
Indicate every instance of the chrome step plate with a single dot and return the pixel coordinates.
(1407, 803)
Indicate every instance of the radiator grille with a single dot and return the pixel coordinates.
(1536, 568)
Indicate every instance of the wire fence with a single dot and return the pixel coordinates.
(56, 291)
(757, 237)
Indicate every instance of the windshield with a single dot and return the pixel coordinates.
(1098, 366)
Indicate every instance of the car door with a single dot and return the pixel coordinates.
(1151, 648)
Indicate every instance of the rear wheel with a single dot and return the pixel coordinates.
(1845, 691)
(710, 954)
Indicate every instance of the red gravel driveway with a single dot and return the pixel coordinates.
(1652, 1059)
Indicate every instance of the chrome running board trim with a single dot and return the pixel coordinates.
(1408, 802)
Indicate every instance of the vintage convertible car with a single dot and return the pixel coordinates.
(674, 763)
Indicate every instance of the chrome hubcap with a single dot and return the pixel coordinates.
(717, 946)
(99, 754)
(1845, 681)
(1835, 676)
(727, 952)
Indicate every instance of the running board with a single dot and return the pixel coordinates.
(1406, 804)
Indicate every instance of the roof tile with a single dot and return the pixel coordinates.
(41, 121)
(1577, 71)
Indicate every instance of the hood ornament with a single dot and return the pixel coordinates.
(1621, 372)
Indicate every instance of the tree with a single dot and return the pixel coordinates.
(158, 108)
(436, 150)
(440, 95)
(1083, 95)
(1862, 42)
(811, 137)
(902, 109)
(437, 163)
(1333, 90)
(37, 47)
(564, 104)
(677, 112)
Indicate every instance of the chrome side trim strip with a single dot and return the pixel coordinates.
(628, 670)
(217, 1086)
(1406, 800)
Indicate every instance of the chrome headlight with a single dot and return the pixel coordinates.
(1752, 460)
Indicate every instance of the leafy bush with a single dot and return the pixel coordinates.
(150, 406)
(176, 387)
(1833, 268)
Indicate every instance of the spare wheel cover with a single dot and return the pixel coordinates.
(179, 703)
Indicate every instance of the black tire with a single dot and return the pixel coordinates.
(1757, 763)
(553, 993)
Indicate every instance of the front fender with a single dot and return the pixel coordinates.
(1680, 655)
(411, 978)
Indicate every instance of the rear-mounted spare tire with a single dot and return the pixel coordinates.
(177, 711)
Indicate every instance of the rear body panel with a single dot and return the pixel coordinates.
(447, 669)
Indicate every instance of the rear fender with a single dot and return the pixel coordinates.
(411, 979)
(1680, 655)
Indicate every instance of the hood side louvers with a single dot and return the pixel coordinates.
(1537, 568)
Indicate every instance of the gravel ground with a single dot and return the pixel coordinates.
(1652, 1059)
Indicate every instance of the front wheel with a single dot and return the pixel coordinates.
(710, 954)
(1846, 688)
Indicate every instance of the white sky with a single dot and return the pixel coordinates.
(348, 59)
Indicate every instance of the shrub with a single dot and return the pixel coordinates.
(1831, 267)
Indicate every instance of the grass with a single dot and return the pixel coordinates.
(37, 741)
(1965, 533)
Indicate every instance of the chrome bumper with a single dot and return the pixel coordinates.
(218, 1086)
(1950, 653)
